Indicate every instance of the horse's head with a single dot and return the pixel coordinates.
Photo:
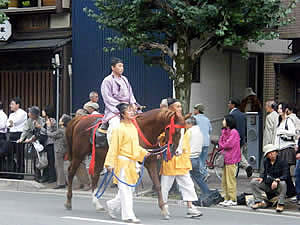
(173, 130)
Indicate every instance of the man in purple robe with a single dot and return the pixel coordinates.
(115, 89)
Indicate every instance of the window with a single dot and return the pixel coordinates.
(196, 72)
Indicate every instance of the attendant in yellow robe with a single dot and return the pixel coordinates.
(179, 168)
(123, 154)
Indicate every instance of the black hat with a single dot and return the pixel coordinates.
(172, 101)
(34, 110)
(122, 107)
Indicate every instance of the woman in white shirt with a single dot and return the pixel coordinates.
(285, 136)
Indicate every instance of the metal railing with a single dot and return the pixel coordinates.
(18, 162)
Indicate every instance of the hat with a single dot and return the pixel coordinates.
(171, 101)
(269, 148)
(200, 107)
(249, 92)
(94, 105)
(34, 110)
(164, 102)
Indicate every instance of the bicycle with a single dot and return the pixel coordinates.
(215, 161)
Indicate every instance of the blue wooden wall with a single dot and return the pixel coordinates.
(91, 64)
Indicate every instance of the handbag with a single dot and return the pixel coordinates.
(42, 161)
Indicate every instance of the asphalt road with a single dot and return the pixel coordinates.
(25, 208)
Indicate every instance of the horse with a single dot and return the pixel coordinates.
(151, 124)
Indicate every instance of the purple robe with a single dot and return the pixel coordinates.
(115, 90)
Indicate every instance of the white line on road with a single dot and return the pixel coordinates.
(94, 220)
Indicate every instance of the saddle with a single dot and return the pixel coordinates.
(100, 136)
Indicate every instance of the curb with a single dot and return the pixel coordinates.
(20, 185)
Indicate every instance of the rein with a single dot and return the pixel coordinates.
(172, 126)
(106, 179)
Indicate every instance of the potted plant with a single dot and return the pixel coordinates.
(28, 3)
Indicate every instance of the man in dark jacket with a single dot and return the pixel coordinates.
(240, 120)
(275, 180)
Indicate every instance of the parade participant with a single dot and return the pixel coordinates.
(178, 169)
(115, 89)
(124, 151)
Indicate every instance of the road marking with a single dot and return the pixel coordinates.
(95, 220)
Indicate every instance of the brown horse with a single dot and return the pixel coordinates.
(151, 123)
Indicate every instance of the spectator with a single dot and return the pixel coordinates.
(60, 150)
(50, 125)
(271, 123)
(240, 121)
(16, 122)
(3, 130)
(291, 112)
(285, 136)
(297, 173)
(81, 112)
(275, 180)
(250, 103)
(94, 96)
(91, 107)
(229, 145)
(206, 129)
(196, 142)
(30, 132)
(3, 123)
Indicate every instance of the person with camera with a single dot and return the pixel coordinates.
(285, 136)
(274, 181)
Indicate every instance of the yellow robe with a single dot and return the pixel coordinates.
(125, 143)
(179, 165)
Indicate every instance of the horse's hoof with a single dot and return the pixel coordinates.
(100, 209)
(68, 206)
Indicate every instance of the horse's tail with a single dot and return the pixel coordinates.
(69, 135)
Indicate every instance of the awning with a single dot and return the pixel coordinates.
(289, 64)
(31, 45)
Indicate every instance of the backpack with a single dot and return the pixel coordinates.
(212, 198)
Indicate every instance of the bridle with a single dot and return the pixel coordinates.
(171, 126)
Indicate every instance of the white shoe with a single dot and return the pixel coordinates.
(110, 211)
(230, 203)
(193, 212)
(223, 203)
(135, 220)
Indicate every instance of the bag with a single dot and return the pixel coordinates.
(42, 161)
(241, 199)
(212, 198)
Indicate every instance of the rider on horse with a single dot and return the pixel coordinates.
(115, 89)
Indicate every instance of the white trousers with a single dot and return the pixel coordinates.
(123, 200)
(185, 183)
(113, 123)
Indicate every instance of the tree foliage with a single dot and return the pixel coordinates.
(2, 15)
(149, 26)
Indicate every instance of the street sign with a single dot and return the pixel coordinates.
(5, 30)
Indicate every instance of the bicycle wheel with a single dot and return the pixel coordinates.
(219, 165)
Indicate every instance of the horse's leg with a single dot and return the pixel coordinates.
(99, 161)
(151, 166)
(74, 164)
